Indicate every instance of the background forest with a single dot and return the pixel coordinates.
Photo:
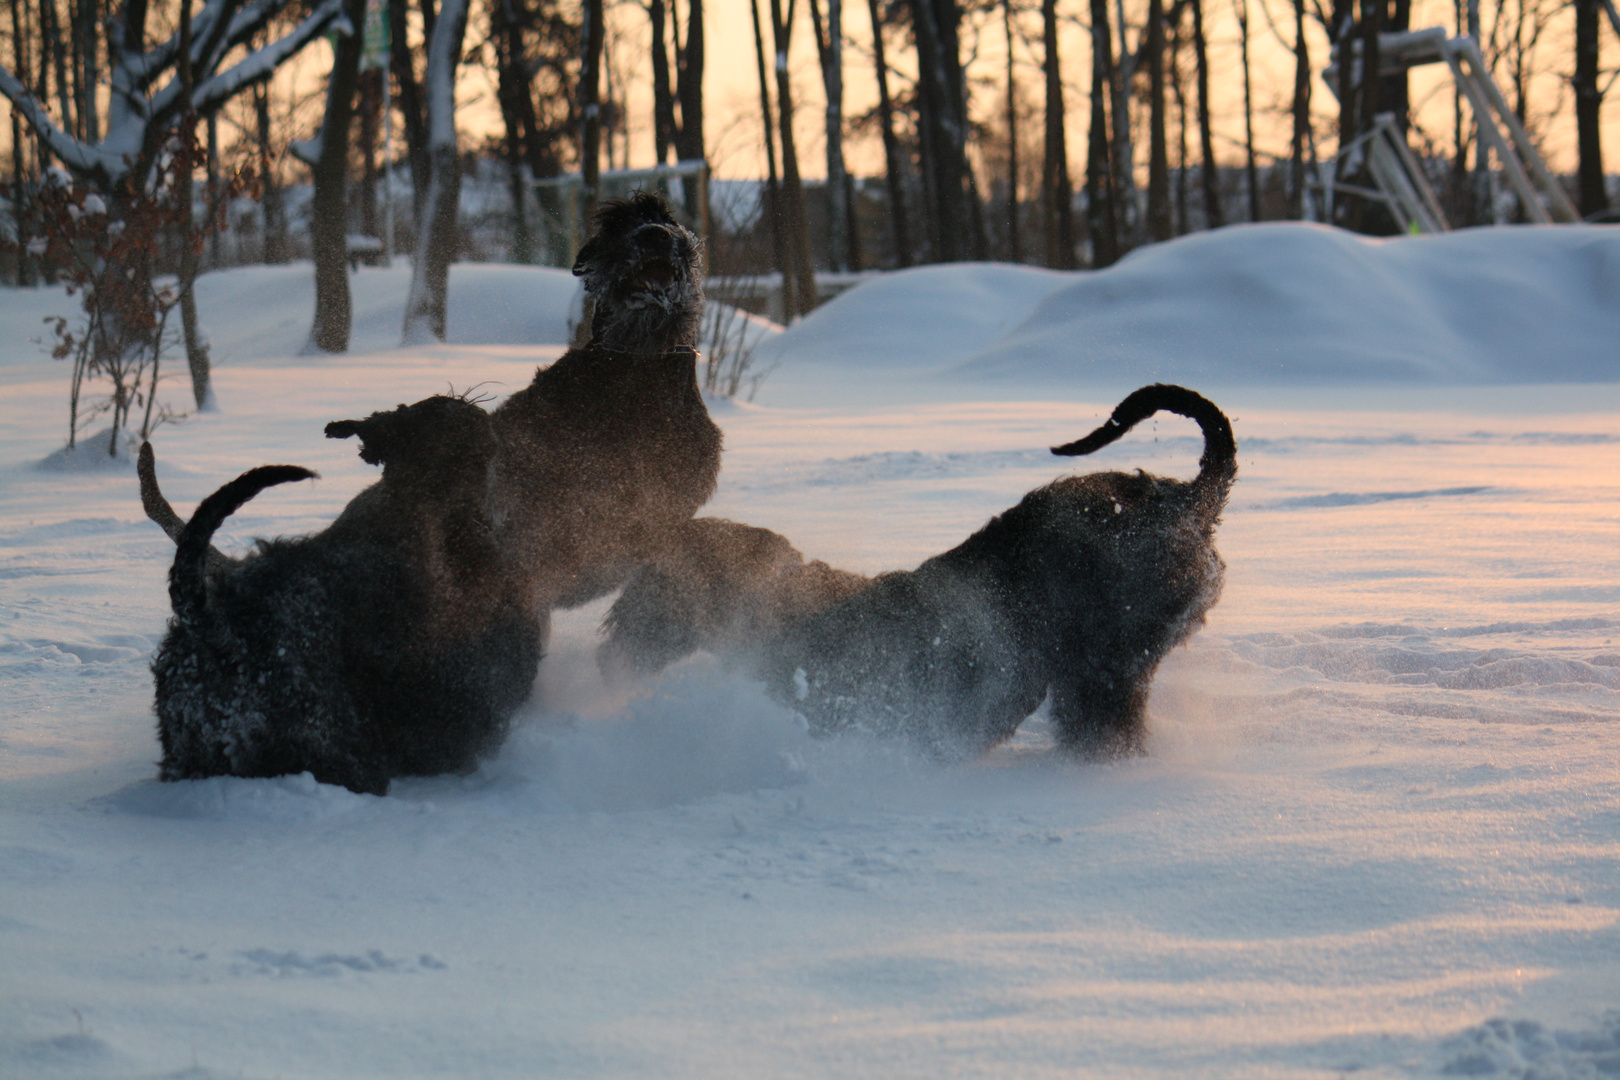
(896, 133)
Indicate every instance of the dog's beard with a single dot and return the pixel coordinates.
(651, 318)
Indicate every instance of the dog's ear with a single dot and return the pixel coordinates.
(378, 434)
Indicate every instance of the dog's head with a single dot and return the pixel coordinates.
(440, 438)
(642, 276)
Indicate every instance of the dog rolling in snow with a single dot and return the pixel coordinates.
(611, 447)
(394, 643)
(1076, 593)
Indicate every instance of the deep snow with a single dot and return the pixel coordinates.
(1378, 831)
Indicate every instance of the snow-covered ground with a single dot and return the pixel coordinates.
(1378, 831)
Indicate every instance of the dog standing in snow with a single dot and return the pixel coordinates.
(719, 586)
(1078, 592)
(611, 448)
(396, 642)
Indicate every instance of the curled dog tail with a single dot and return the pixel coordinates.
(1218, 465)
(152, 501)
(187, 591)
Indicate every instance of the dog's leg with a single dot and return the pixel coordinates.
(1102, 715)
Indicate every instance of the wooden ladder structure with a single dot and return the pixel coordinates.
(1395, 171)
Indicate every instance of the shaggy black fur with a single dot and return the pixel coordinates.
(1078, 592)
(611, 447)
(393, 643)
(720, 586)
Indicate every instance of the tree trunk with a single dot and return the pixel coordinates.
(944, 132)
(830, 51)
(329, 211)
(1393, 90)
(19, 189)
(772, 205)
(196, 351)
(689, 139)
(1015, 252)
(410, 105)
(86, 23)
(804, 298)
(54, 44)
(216, 256)
(436, 228)
(1214, 214)
(1101, 214)
(663, 95)
(1302, 113)
(1361, 215)
(1179, 85)
(512, 90)
(592, 31)
(1159, 224)
(947, 20)
(370, 102)
(899, 227)
(271, 203)
(1251, 171)
(1122, 154)
(1588, 104)
(1057, 195)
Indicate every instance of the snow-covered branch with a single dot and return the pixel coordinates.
(263, 63)
(100, 160)
(136, 119)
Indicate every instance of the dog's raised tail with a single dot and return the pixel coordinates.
(187, 590)
(152, 501)
(1219, 460)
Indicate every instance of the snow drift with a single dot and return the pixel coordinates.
(1284, 304)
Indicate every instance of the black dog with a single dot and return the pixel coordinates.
(611, 447)
(394, 643)
(1077, 592)
(720, 586)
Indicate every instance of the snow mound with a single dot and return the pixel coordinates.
(258, 313)
(91, 455)
(1271, 304)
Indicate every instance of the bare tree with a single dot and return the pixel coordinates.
(1159, 224)
(1210, 172)
(426, 306)
(803, 299)
(410, 105)
(830, 51)
(1122, 157)
(1014, 241)
(1302, 113)
(955, 226)
(19, 193)
(772, 203)
(893, 169)
(328, 157)
(592, 32)
(1057, 195)
(1588, 104)
(1251, 172)
(143, 116)
(1102, 218)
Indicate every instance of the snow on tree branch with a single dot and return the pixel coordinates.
(135, 118)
